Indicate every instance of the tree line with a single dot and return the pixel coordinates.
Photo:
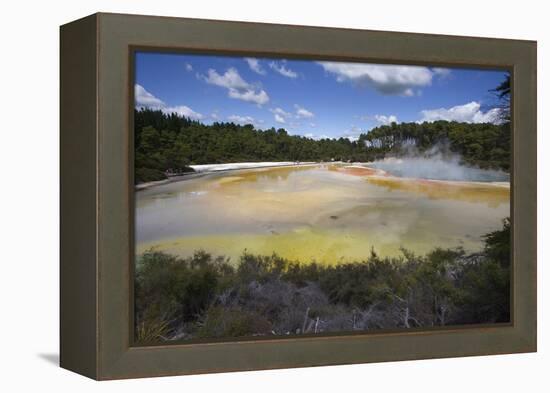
(170, 142)
(483, 145)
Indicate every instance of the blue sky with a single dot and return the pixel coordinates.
(312, 98)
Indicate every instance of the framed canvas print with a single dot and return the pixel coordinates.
(241, 196)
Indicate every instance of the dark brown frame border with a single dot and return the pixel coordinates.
(96, 194)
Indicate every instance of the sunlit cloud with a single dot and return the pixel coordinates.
(385, 120)
(236, 86)
(281, 68)
(303, 112)
(146, 100)
(254, 65)
(242, 120)
(386, 79)
(468, 113)
(183, 110)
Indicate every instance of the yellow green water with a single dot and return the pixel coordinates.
(324, 213)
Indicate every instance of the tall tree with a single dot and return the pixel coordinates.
(503, 92)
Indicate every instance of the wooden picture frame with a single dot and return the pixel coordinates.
(97, 194)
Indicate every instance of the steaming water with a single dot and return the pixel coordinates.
(437, 168)
(327, 213)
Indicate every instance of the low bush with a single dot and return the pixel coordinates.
(203, 296)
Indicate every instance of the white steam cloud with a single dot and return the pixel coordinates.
(437, 164)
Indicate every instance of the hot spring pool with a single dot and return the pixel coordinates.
(327, 213)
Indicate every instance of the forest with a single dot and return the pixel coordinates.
(482, 145)
(204, 296)
(207, 296)
(169, 142)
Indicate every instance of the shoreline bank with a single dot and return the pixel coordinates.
(375, 173)
(371, 172)
(206, 169)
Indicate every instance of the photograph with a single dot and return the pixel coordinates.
(295, 197)
(236, 196)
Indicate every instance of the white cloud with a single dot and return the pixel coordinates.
(237, 87)
(230, 80)
(383, 119)
(256, 97)
(468, 113)
(441, 72)
(188, 67)
(280, 115)
(353, 133)
(183, 110)
(281, 68)
(303, 112)
(254, 65)
(242, 119)
(386, 79)
(317, 137)
(144, 99)
(281, 112)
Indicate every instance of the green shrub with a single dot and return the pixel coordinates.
(203, 296)
(232, 322)
(143, 175)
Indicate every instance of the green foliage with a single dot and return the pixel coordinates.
(203, 296)
(486, 287)
(260, 268)
(360, 284)
(503, 92)
(158, 152)
(149, 330)
(497, 244)
(143, 174)
(485, 293)
(170, 288)
(484, 145)
(232, 322)
(170, 143)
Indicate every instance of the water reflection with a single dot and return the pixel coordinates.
(322, 212)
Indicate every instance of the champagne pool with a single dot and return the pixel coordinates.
(329, 213)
